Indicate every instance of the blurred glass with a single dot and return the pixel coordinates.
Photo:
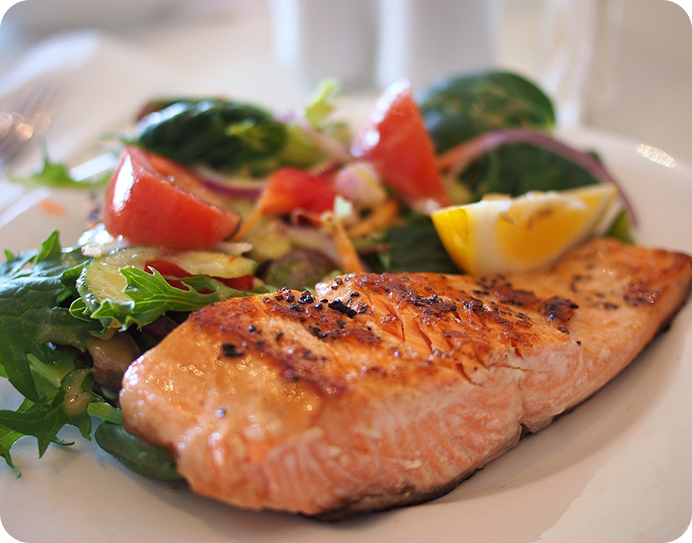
(581, 48)
(627, 71)
(425, 39)
(367, 44)
(316, 39)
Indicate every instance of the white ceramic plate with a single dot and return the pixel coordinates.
(617, 469)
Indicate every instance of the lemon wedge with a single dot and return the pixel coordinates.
(502, 234)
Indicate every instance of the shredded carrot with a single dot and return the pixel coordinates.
(350, 262)
(382, 217)
(248, 223)
(51, 207)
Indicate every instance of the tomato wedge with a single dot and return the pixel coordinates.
(289, 189)
(151, 200)
(173, 273)
(396, 141)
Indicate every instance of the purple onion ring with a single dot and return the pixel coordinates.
(457, 159)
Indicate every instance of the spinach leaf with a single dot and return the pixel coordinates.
(133, 453)
(220, 134)
(517, 168)
(458, 108)
(412, 247)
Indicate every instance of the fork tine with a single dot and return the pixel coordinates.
(44, 114)
(30, 110)
(11, 152)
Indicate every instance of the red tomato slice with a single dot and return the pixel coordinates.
(291, 188)
(396, 141)
(172, 272)
(151, 200)
(246, 282)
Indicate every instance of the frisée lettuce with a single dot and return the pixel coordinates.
(44, 329)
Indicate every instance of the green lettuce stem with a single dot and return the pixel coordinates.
(105, 412)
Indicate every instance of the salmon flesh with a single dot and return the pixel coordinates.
(388, 390)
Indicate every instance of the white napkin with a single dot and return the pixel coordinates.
(103, 82)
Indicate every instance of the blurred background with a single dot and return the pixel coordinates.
(623, 66)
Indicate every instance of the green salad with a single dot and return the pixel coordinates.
(212, 198)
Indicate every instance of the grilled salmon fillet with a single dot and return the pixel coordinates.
(385, 390)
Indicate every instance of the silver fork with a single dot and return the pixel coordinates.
(25, 116)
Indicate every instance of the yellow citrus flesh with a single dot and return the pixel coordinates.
(502, 234)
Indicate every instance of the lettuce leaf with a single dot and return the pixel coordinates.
(153, 296)
(33, 320)
(41, 346)
(321, 103)
(57, 175)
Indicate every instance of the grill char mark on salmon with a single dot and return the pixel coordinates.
(386, 390)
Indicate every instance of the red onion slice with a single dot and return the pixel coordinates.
(335, 149)
(241, 190)
(457, 159)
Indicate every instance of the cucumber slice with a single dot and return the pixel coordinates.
(211, 263)
(101, 283)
